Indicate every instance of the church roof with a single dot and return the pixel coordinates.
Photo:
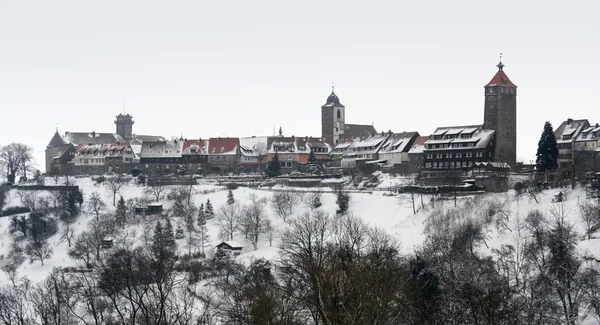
(333, 101)
(56, 141)
(359, 130)
(500, 79)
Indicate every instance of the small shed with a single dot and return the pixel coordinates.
(107, 242)
(231, 246)
(154, 208)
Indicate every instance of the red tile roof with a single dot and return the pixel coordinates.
(500, 79)
(221, 146)
(195, 147)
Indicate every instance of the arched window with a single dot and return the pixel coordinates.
(339, 115)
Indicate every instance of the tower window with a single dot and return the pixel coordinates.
(339, 114)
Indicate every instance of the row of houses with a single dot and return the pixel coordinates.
(578, 144)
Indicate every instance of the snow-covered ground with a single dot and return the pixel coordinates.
(378, 209)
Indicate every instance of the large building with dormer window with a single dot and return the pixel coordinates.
(451, 152)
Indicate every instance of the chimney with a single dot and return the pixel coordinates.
(93, 134)
(569, 121)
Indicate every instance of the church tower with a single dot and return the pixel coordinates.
(333, 119)
(124, 125)
(501, 115)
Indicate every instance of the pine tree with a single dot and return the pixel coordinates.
(547, 153)
(312, 162)
(158, 239)
(230, 199)
(179, 232)
(274, 166)
(203, 232)
(201, 212)
(121, 213)
(342, 202)
(169, 237)
(209, 208)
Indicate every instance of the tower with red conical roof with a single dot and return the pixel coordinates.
(500, 114)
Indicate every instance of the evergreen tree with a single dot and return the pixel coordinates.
(201, 212)
(547, 153)
(121, 213)
(274, 166)
(169, 237)
(209, 208)
(179, 232)
(157, 239)
(203, 232)
(230, 199)
(312, 162)
(342, 202)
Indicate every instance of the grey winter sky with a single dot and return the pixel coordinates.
(241, 68)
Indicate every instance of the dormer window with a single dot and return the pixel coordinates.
(566, 137)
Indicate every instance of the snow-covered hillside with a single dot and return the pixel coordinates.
(392, 213)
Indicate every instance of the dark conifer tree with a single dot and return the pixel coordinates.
(547, 153)
(157, 239)
(121, 213)
(342, 201)
(169, 237)
(274, 166)
(179, 234)
(209, 208)
(230, 199)
(312, 162)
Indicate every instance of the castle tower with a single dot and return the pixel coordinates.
(333, 119)
(501, 115)
(52, 149)
(124, 125)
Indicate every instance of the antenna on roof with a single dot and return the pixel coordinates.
(332, 85)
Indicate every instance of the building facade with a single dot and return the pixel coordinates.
(451, 152)
(333, 122)
(500, 114)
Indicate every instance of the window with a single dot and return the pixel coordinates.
(469, 154)
(339, 114)
(458, 155)
(427, 165)
(448, 155)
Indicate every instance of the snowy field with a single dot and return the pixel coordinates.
(391, 213)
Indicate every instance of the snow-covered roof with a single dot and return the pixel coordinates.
(399, 142)
(457, 137)
(102, 150)
(570, 129)
(367, 146)
(298, 145)
(195, 147)
(232, 244)
(591, 133)
(162, 149)
(252, 146)
(419, 145)
(223, 146)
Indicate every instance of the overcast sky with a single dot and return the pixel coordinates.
(241, 68)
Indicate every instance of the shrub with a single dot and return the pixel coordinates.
(231, 186)
(99, 179)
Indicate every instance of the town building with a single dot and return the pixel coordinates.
(194, 156)
(124, 134)
(333, 122)
(253, 152)
(223, 154)
(162, 157)
(415, 155)
(98, 159)
(450, 152)
(293, 152)
(566, 134)
(395, 151)
(500, 114)
(365, 151)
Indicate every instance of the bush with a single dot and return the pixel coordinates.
(99, 180)
(15, 210)
(231, 186)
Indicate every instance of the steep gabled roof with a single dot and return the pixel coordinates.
(359, 130)
(570, 128)
(418, 145)
(223, 146)
(500, 79)
(56, 141)
(195, 147)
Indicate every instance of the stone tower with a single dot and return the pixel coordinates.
(52, 150)
(333, 119)
(501, 115)
(124, 125)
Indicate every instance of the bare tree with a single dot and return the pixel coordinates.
(284, 203)
(229, 219)
(68, 234)
(115, 184)
(157, 188)
(312, 200)
(15, 159)
(28, 199)
(270, 231)
(95, 204)
(38, 251)
(260, 150)
(590, 215)
(255, 218)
